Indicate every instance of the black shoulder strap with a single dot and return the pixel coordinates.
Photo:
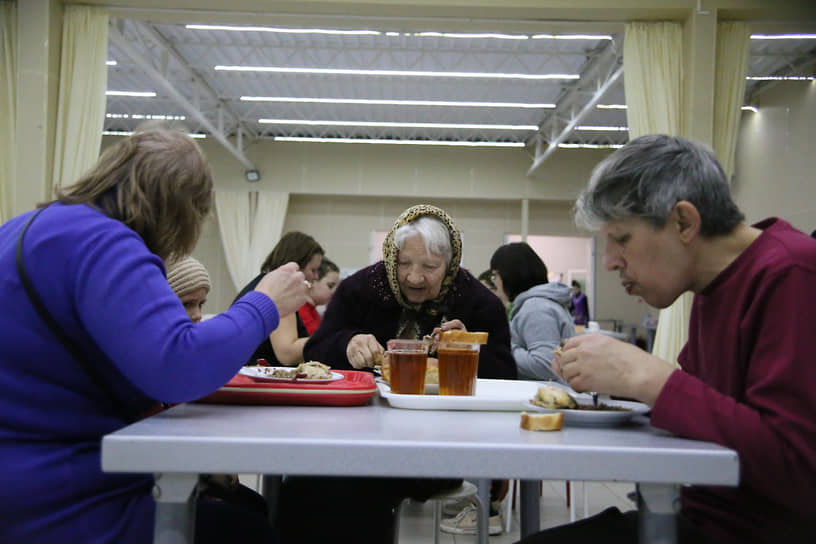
(57, 330)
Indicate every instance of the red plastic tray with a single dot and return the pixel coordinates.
(354, 389)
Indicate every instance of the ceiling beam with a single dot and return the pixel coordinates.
(168, 87)
(597, 77)
(149, 31)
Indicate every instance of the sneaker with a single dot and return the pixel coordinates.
(451, 509)
(465, 523)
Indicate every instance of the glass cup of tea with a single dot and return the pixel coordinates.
(407, 362)
(458, 367)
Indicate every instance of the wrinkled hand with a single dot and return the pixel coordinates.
(287, 288)
(452, 325)
(596, 362)
(364, 351)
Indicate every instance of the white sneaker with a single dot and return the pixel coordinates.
(465, 523)
(452, 509)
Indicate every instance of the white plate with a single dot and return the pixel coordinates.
(494, 395)
(596, 418)
(263, 373)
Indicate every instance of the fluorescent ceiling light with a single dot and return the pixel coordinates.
(110, 62)
(446, 103)
(431, 34)
(590, 146)
(783, 36)
(472, 35)
(571, 37)
(130, 133)
(131, 93)
(327, 123)
(602, 128)
(397, 142)
(412, 73)
(145, 116)
(611, 106)
(781, 78)
(749, 108)
(286, 30)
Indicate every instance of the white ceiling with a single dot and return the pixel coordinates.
(178, 63)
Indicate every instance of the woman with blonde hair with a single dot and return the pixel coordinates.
(93, 338)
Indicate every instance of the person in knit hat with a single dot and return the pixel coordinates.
(190, 281)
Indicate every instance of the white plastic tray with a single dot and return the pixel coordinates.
(493, 395)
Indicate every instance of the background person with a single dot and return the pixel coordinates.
(190, 281)
(328, 278)
(579, 305)
(539, 318)
(284, 346)
(747, 371)
(94, 258)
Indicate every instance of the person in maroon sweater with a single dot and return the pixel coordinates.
(747, 373)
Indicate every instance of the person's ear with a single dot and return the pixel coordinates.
(686, 220)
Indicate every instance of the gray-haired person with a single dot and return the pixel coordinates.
(663, 207)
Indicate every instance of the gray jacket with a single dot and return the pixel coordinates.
(538, 321)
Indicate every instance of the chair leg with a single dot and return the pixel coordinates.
(568, 492)
(437, 519)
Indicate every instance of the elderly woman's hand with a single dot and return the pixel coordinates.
(287, 288)
(452, 325)
(364, 351)
(596, 362)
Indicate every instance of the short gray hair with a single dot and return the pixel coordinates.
(434, 233)
(646, 178)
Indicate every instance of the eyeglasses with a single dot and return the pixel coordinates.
(493, 276)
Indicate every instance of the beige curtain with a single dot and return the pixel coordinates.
(251, 223)
(733, 42)
(653, 78)
(8, 105)
(81, 102)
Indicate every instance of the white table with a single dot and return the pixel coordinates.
(377, 440)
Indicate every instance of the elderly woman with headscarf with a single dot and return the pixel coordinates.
(417, 287)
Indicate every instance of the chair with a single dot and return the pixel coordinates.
(465, 490)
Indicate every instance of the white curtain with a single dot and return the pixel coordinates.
(81, 102)
(653, 76)
(733, 41)
(251, 223)
(8, 105)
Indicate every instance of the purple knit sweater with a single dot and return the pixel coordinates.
(110, 295)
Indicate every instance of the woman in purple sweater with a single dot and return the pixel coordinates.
(94, 259)
(747, 371)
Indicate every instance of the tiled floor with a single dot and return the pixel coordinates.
(416, 523)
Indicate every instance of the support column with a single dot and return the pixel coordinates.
(39, 36)
(699, 65)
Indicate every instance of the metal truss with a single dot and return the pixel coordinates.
(598, 76)
(157, 68)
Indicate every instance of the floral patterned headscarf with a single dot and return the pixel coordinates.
(390, 252)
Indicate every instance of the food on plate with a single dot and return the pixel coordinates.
(542, 422)
(314, 370)
(463, 336)
(549, 396)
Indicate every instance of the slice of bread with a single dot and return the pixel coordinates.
(542, 422)
(549, 396)
(463, 336)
